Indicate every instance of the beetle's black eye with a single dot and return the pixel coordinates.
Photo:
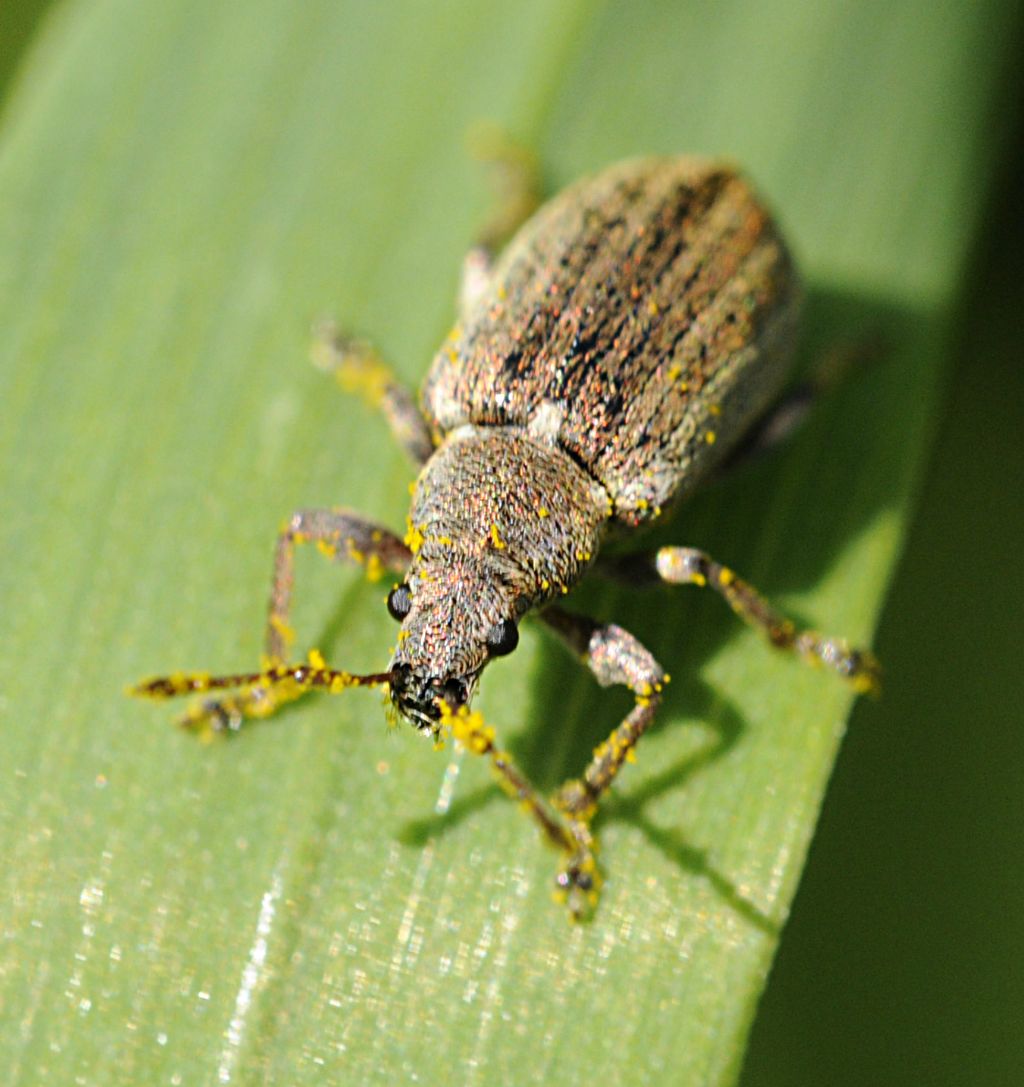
(399, 602)
(454, 693)
(502, 638)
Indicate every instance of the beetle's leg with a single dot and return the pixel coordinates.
(340, 535)
(614, 656)
(688, 566)
(785, 417)
(357, 367)
(515, 179)
(579, 880)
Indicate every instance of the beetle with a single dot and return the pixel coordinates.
(635, 329)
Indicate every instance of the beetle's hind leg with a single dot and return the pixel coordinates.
(338, 534)
(789, 413)
(514, 174)
(689, 566)
(357, 367)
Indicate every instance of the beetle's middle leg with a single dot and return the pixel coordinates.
(689, 566)
(357, 367)
(340, 535)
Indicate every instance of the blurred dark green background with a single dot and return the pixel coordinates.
(902, 961)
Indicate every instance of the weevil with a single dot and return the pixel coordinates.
(631, 334)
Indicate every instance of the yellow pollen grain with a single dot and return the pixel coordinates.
(414, 537)
(498, 542)
(542, 512)
(865, 684)
(710, 437)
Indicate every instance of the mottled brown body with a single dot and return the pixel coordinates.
(650, 309)
(635, 329)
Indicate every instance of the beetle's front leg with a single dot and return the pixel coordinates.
(689, 566)
(614, 656)
(340, 535)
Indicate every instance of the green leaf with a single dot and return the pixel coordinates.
(183, 188)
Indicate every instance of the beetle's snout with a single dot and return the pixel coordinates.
(419, 698)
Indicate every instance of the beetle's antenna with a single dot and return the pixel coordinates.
(259, 693)
(312, 676)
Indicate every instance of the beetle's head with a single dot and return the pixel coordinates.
(451, 628)
(418, 696)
